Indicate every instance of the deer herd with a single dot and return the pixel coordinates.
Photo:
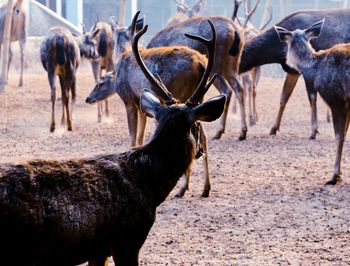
(65, 212)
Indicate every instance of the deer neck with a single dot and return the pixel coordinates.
(301, 56)
(172, 155)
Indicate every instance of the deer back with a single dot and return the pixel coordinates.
(228, 46)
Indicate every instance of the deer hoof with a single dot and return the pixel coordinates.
(180, 193)
(313, 135)
(273, 131)
(218, 134)
(205, 193)
(52, 128)
(243, 135)
(335, 179)
(251, 121)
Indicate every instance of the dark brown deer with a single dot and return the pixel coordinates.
(66, 212)
(102, 34)
(60, 54)
(18, 32)
(228, 46)
(128, 80)
(328, 71)
(185, 12)
(266, 49)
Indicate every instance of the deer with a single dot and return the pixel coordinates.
(66, 212)
(251, 78)
(184, 12)
(229, 48)
(102, 34)
(187, 64)
(327, 70)
(18, 32)
(60, 54)
(267, 48)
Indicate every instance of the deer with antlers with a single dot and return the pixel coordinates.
(66, 212)
(267, 48)
(185, 12)
(187, 65)
(228, 46)
(18, 32)
(251, 78)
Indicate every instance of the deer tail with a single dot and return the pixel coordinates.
(102, 47)
(60, 53)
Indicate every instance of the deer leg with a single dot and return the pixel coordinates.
(9, 63)
(256, 78)
(204, 144)
(63, 116)
(131, 113)
(239, 90)
(21, 49)
(99, 112)
(340, 124)
(312, 95)
(328, 116)
(224, 88)
(73, 91)
(141, 127)
(51, 78)
(106, 108)
(185, 179)
(234, 105)
(250, 103)
(288, 87)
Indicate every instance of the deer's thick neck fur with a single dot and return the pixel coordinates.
(301, 56)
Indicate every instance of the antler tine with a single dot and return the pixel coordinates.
(235, 8)
(161, 90)
(203, 87)
(113, 20)
(83, 27)
(182, 5)
(250, 14)
(268, 20)
(199, 4)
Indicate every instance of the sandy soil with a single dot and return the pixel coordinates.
(268, 204)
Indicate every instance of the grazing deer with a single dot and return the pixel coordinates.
(102, 34)
(128, 80)
(60, 54)
(251, 78)
(327, 70)
(69, 211)
(266, 48)
(185, 12)
(228, 46)
(18, 32)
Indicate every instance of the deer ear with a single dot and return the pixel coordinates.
(314, 30)
(209, 110)
(149, 103)
(283, 34)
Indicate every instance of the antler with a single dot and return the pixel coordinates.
(203, 87)
(83, 27)
(161, 90)
(235, 8)
(268, 20)
(182, 5)
(199, 5)
(249, 15)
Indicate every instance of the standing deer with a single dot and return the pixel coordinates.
(266, 48)
(328, 71)
(18, 32)
(102, 34)
(228, 46)
(128, 80)
(184, 12)
(251, 78)
(60, 54)
(67, 212)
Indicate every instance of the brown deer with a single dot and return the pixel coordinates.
(187, 65)
(60, 54)
(328, 71)
(228, 46)
(251, 78)
(18, 32)
(185, 12)
(266, 49)
(66, 212)
(102, 34)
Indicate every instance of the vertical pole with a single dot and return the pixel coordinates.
(345, 5)
(122, 10)
(6, 43)
(59, 7)
(74, 11)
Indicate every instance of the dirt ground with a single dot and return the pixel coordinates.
(268, 204)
